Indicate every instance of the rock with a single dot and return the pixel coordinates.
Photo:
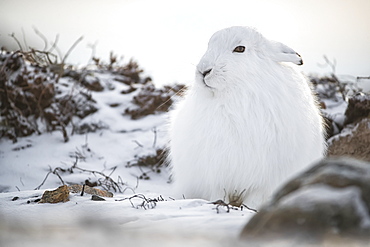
(92, 83)
(77, 188)
(90, 127)
(97, 198)
(55, 196)
(329, 203)
(353, 141)
(358, 108)
(88, 81)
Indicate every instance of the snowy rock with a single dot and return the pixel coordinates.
(354, 141)
(77, 188)
(358, 108)
(92, 83)
(55, 196)
(97, 198)
(85, 78)
(328, 203)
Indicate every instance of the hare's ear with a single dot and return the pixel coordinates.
(283, 53)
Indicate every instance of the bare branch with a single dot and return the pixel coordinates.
(54, 44)
(147, 203)
(55, 172)
(155, 137)
(24, 38)
(252, 209)
(71, 48)
(42, 37)
(93, 51)
(363, 77)
(17, 41)
(228, 206)
(138, 143)
(331, 64)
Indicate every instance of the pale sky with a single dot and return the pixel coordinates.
(168, 38)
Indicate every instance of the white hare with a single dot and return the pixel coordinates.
(247, 124)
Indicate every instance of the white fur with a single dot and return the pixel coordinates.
(249, 124)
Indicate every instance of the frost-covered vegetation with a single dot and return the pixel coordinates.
(36, 99)
(41, 94)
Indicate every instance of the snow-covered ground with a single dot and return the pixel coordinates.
(93, 223)
(26, 165)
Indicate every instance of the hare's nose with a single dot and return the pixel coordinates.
(205, 73)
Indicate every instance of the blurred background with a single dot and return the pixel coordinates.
(167, 38)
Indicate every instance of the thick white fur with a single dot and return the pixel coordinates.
(248, 125)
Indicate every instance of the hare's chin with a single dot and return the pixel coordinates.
(205, 84)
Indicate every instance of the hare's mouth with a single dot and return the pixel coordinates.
(204, 75)
(205, 83)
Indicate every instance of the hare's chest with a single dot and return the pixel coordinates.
(218, 126)
(225, 125)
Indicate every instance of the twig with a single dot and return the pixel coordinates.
(24, 38)
(54, 44)
(42, 37)
(147, 203)
(138, 143)
(252, 209)
(17, 41)
(93, 51)
(177, 93)
(363, 77)
(114, 168)
(42, 183)
(58, 51)
(55, 172)
(83, 190)
(137, 181)
(221, 203)
(155, 137)
(115, 186)
(331, 64)
(71, 48)
(108, 183)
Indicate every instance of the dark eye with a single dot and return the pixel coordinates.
(239, 49)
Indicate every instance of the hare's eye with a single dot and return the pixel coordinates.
(239, 49)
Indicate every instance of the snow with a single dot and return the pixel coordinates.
(335, 110)
(192, 214)
(170, 222)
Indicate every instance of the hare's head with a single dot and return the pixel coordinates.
(237, 53)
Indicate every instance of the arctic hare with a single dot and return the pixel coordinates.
(247, 124)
